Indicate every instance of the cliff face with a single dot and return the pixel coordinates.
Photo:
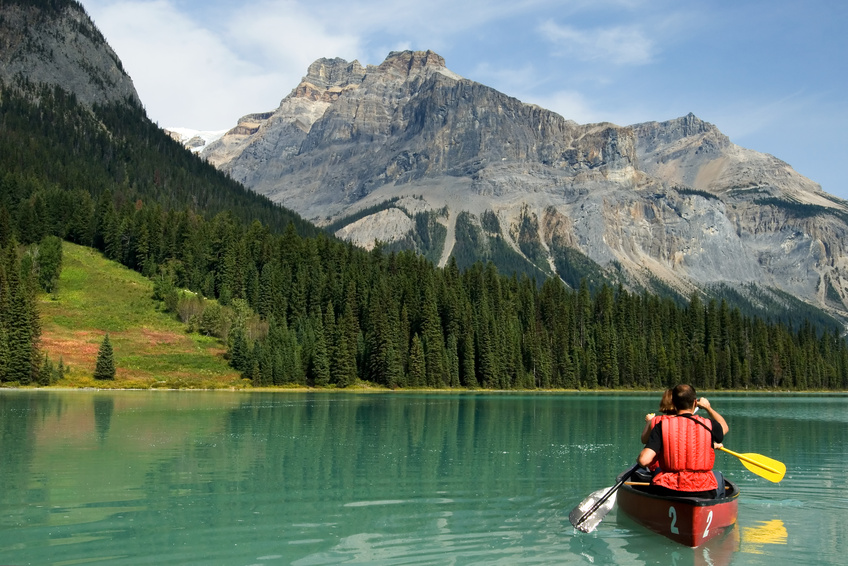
(673, 202)
(64, 48)
(346, 131)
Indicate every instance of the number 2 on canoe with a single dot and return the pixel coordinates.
(709, 521)
(672, 512)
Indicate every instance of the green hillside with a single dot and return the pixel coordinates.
(152, 349)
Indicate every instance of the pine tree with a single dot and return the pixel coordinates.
(320, 366)
(417, 365)
(21, 320)
(105, 367)
(433, 342)
(344, 353)
(49, 263)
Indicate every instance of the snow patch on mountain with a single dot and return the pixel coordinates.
(195, 140)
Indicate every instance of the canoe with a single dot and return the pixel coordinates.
(691, 521)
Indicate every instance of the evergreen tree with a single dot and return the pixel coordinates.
(49, 263)
(105, 366)
(320, 366)
(47, 372)
(417, 364)
(21, 323)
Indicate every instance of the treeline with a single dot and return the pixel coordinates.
(336, 314)
(296, 306)
(319, 312)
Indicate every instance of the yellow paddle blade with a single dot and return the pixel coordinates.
(763, 466)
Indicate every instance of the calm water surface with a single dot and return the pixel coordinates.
(310, 479)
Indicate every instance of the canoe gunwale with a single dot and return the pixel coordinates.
(731, 493)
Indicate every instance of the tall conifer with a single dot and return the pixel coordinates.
(105, 366)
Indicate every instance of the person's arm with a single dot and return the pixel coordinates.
(646, 456)
(652, 447)
(704, 403)
(646, 432)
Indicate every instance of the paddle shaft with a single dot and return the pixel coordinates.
(607, 495)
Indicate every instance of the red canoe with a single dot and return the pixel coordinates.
(688, 520)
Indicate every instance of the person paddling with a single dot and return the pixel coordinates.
(684, 446)
(651, 419)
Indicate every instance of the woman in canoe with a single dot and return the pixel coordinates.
(651, 419)
(683, 444)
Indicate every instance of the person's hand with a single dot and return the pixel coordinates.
(648, 417)
(704, 403)
(717, 445)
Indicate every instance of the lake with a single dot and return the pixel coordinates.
(193, 477)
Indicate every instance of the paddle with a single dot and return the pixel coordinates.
(761, 465)
(591, 511)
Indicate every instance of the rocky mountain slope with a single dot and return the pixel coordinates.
(410, 153)
(61, 46)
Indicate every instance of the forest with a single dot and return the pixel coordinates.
(294, 305)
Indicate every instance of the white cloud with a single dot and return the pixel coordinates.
(189, 75)
(507, 80)
(569, 104)
(285, 35)
(621, 45)
(440, 18)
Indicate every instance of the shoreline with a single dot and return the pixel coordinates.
(374, 390)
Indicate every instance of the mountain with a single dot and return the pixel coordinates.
(56, 43)
(412, 154)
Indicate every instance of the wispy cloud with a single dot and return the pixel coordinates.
(569, 104)
(621, 45)
(189, 74)
(286, 34)
(753, 115)
(508, 80)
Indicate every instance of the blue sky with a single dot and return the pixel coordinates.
(772, 75)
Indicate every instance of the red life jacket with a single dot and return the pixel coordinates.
(687, 457)
(654, 420)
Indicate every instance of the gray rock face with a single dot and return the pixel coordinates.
(65, 50)
(674, 201)
(693, 153)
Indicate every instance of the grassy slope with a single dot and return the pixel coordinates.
(152, 348)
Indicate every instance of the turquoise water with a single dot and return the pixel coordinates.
(331, 478)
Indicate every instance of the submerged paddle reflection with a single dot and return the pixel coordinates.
(766, 532)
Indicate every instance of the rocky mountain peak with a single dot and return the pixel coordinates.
(405, 63)
(326, 79)
(653, 135)
(334, 72)
(689, 125)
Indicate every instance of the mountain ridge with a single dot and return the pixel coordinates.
(674, 201)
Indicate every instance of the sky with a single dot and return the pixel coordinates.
(770, 74)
